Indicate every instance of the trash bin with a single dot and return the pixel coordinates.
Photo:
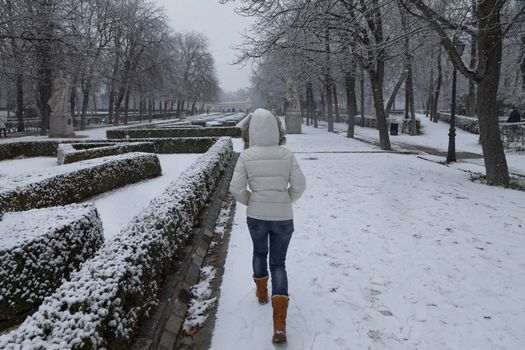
(394, 128)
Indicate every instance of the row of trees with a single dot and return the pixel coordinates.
(116, 52)
(373, 48)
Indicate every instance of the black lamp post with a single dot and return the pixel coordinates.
(451, 155)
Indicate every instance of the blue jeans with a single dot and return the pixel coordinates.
(279, 234)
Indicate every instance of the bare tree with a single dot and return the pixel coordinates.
(487, 27)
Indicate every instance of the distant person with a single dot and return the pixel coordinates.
(275, 180)
(514, 117)
(3, 128)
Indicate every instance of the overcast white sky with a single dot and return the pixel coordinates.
(221, 25)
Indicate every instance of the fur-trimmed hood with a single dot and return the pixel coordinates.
(263, 129)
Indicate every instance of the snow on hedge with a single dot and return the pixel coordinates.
(75, 182)
(103, 303)
(173, 132)
(75, 152)
(41, 247)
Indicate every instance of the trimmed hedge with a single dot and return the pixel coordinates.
(199, 122)
(103, 303)
(75, 152)
(465, 123)
(174, 132)
(405, 124)
(49, 148)
(513, 136)
(229, 123)
(28, 149)
(182, 145)
(75, 182)
(41, 247)
(370, 122)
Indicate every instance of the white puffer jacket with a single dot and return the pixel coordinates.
(271, 171)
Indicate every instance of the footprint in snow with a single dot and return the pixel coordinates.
(374, 334)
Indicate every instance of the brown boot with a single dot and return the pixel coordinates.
(262, 289)
(280, 309)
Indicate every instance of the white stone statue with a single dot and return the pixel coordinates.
(293, 106)
(60, 96)
(292, 97)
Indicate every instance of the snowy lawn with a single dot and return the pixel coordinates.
(116, 208)
(24, 165)
(389, 252)
(435, 135)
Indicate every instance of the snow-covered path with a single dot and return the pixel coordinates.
(390, 252)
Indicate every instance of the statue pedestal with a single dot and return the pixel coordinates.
(293, 122)
(60, 126)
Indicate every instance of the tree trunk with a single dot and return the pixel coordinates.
(86, 87)
(20, 101)
(329, 106)
(376, 79)
(431, 87)
(141, 107)
(301, 106)
(111, 104)
(313, 106)
(150, 107)
(362, 97)
(490, 48)
(329, 82)
(351, 100)
(393, 96)
(323, 105)
(73, 99)
(522, 63)
(308, 106)
(411, 105)
(126, 107)
(336, 104)
(434, 115)
(44, 86)
(94, 97)
(409, 93)
(177, 112)
(118, 105)
(470, 102)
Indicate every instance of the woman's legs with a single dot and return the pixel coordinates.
(259, 233)
(280, 235)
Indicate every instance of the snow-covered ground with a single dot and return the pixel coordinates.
(435, 136)
(118, 207)
(19, 166)
(389, 252)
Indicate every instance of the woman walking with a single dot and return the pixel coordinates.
(275, 181)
